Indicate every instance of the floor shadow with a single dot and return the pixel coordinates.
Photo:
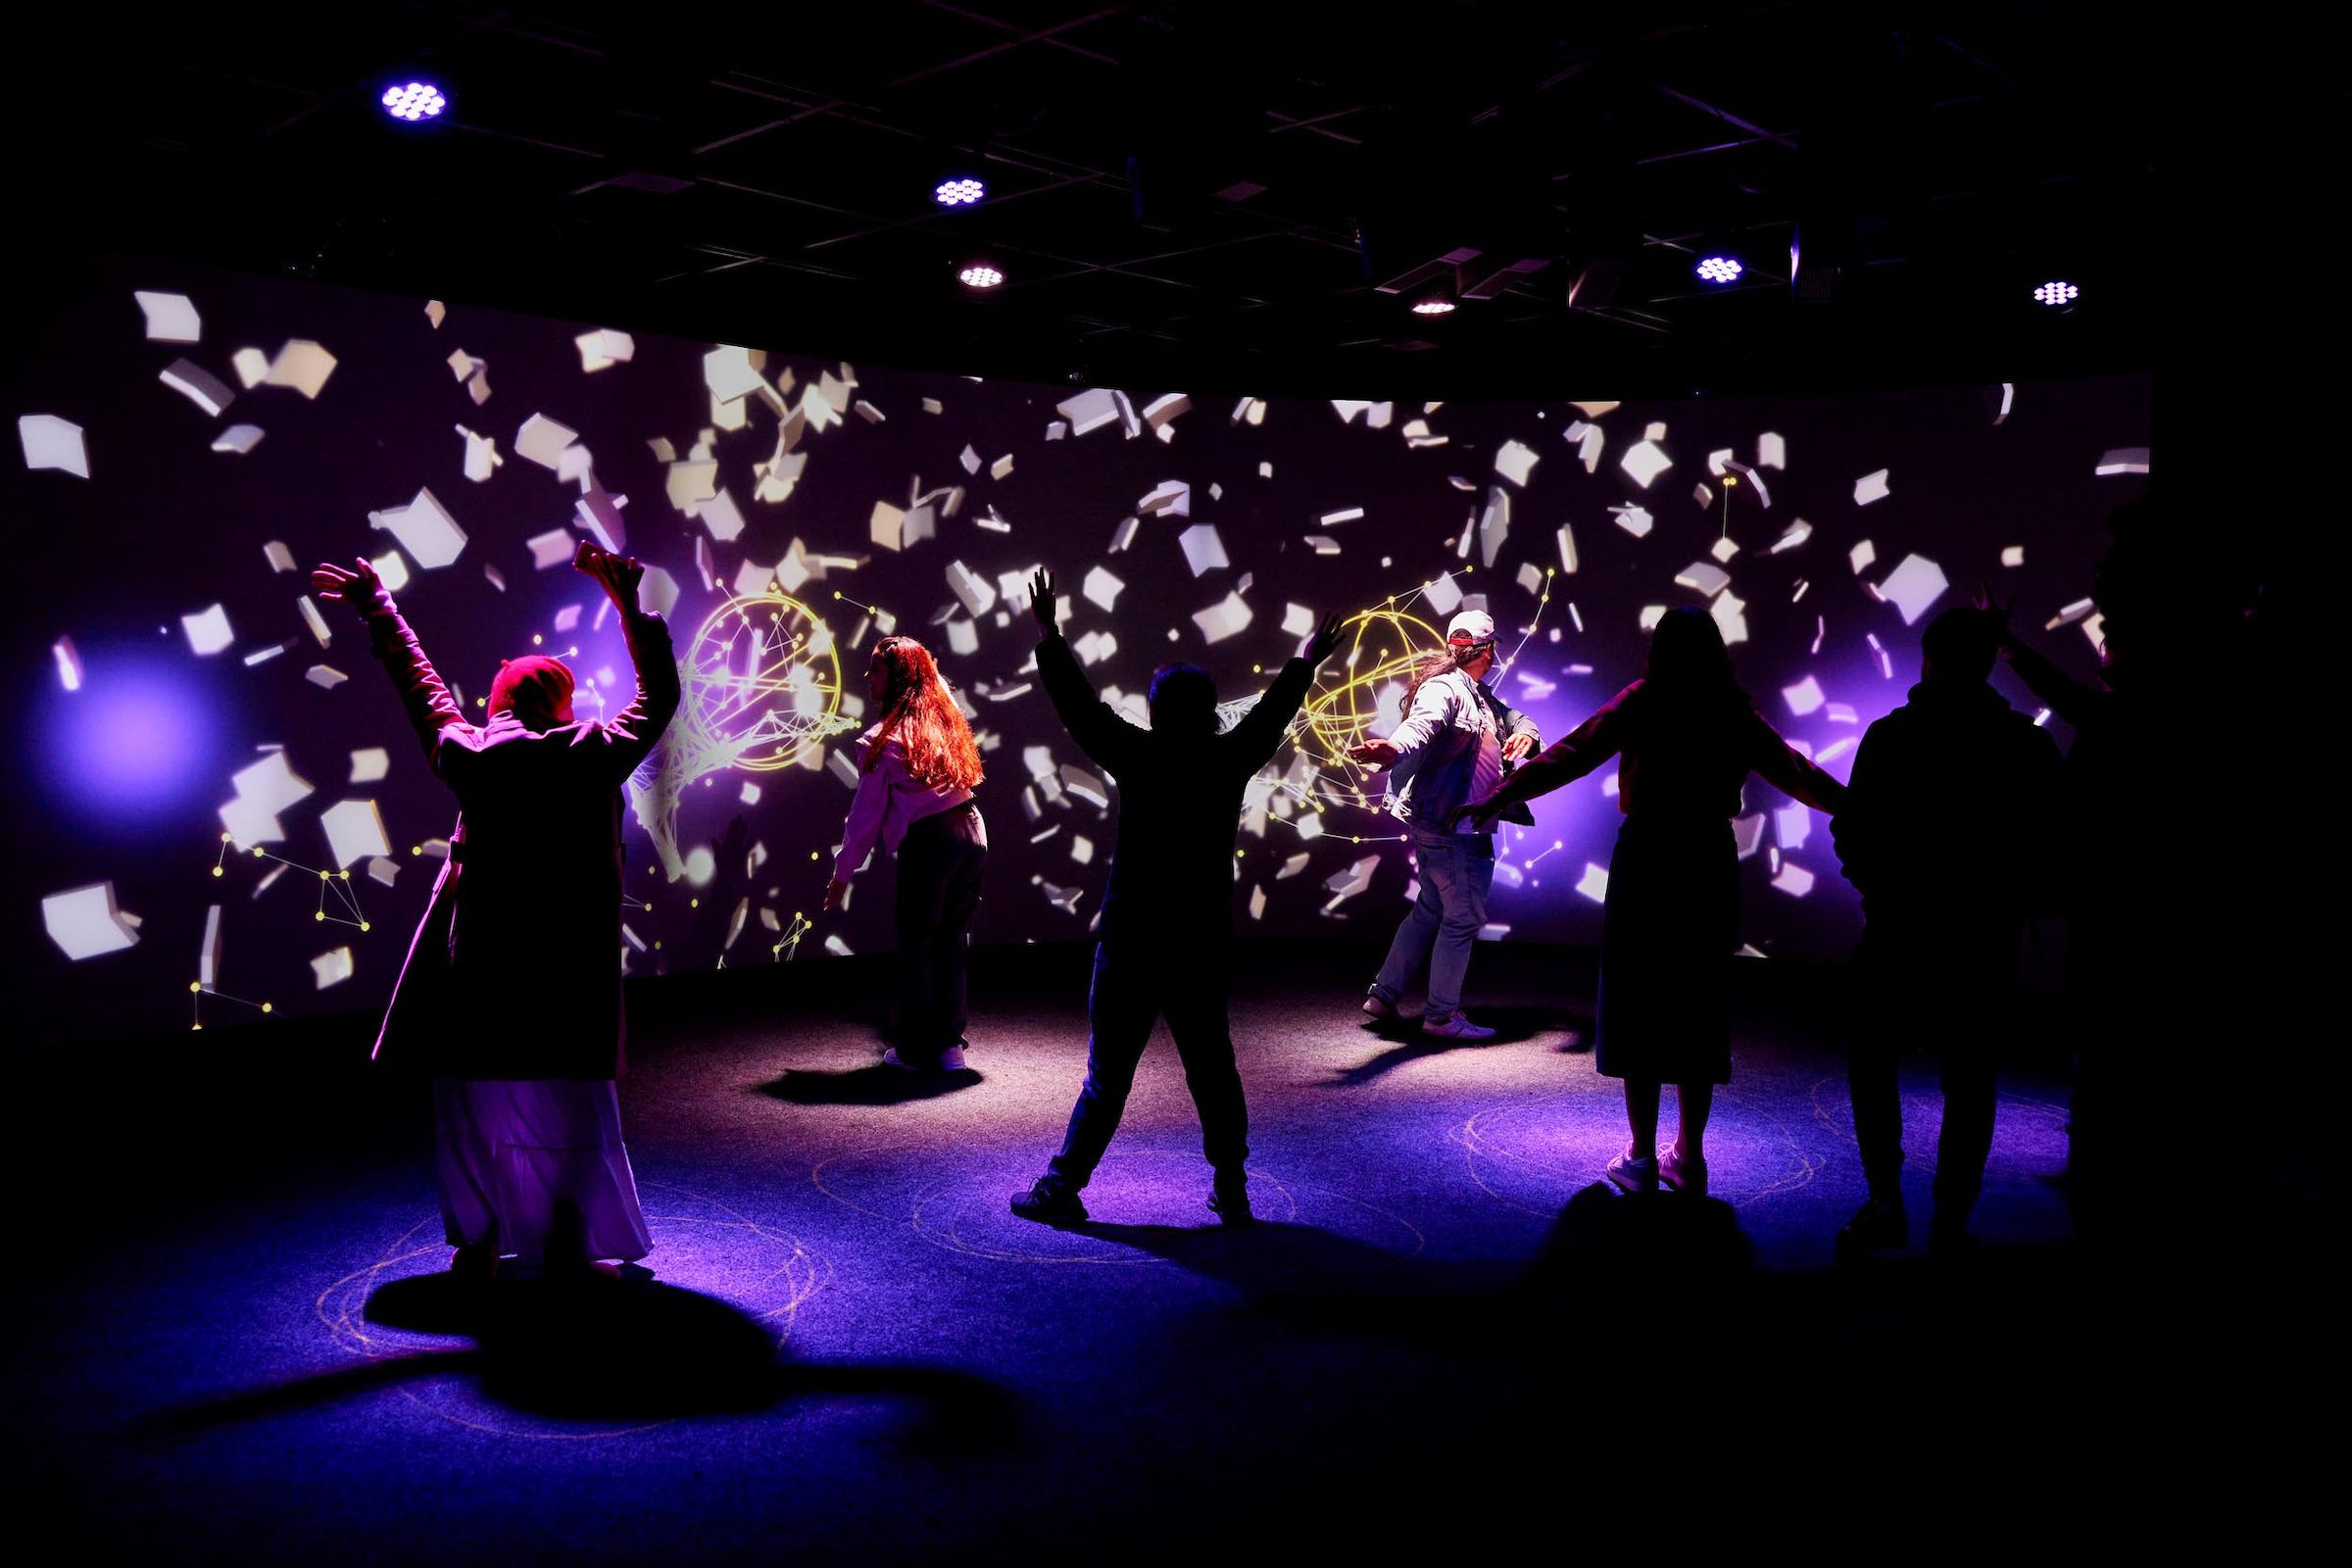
(1511, 1025)
(612, 1349)
(873, 1084)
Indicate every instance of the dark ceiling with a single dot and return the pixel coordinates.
(1198, 195)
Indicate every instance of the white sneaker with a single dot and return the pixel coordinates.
(1455, 1026)
(1377, 1006)
(1683, 1175)
(1634, 1175)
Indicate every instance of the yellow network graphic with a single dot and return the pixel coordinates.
(345, 912)
(1382, 648)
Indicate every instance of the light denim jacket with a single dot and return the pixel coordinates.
(1436, 747)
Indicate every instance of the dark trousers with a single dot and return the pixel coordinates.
(1135, 984)
(1954, 1002)
(939, 890)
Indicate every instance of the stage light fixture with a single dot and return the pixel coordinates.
(979, 275)
(959, 192)
(1432, 304)
(2057, 293)
(414, 101)
(1719, 270)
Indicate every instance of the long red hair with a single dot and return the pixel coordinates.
(922, 718)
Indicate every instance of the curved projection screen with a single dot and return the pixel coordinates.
(219, 804)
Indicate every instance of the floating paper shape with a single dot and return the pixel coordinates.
(51, 442)
(692, 481)
(1644, 461)
(370, 764)
(1088, 411)
(1871, 487)
(1204, 550)
(302, 365)
(331, 969)
(1594, 883)
(1173, 498)
(354, 831)
(1805, 697)
(324, 676)
(85, 923)
(1102, 588)
(1709, 580)
(735, 372)
(208, 630)
(252, 367)
(435, 312)
(2123, 460)
(1796, 533)
(263, 791)
(977, 595)
(554, 548)
(1322, 544)
(1793, 880)
(1443, 594)
(604, 348)
(1001, 468)
(481, 456)
(171, 317)
(238, 438)
(1862, 555)
(198, 385)
(2013, 555)
(1747, 834)
(69, 664)
(541, 440)
(1160, 410)
(1228, 617)
(1296, 620)
(721, 517)
(1494, 523)
(1634, 521)
(1723, 549)
(424, 529)
(1515, 461)
(1729, 611)
(1915, 584)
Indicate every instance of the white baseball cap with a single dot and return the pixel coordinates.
(1471, 626)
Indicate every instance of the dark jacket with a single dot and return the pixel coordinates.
(1949, 819)
(1180, 800)
(515, 971)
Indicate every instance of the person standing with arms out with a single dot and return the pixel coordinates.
(1166, 930)
(511, 993)
(915, 797)
(1454, 745)
(1690, 736)
(1945, 832)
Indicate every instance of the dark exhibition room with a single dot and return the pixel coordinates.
(1065, 781)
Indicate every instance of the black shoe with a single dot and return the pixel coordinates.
(475, 1264)
(1879, 1225)
(1950, 1242)
(1048, 1204)
(1229, 1202)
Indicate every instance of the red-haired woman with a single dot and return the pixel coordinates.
(914, 796)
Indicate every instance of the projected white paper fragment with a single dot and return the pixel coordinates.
(280, 558)
(721, 517)
(732, 373)
(1172, 498)
(69, 664)
(1349, 408)
(1772, 452)
(1703, 578)
(1730, 612)
(1088, 411)
(1634, 521)
(963, 637)
(691, 481)
(1871, 487)
(171, 317)
(1101, 588)
(51, 442)
(2013, 555)
(315, 621)
(1593, 410)
(324, 676)
(1793, 826)
(1915, 584)
(1594, 883)
(383, 868)
(1227, 617)
(552, 549)
(424, 529)
(1793, 879)
(198, 385)
(2123, 460)
(1515, 460)
(354, 831)
(238, 438)
(1747, 834)
(481, 456)
(1723, 549)
(1861, 556)
(604, 348)
(1644, 461)
(1204, 550)
(1296, 620)
(331, 969)
(263, 656)
(541, 440)
(302, 365)
(1650, 616)
(1494, 524)
(208, 630)
(370, 764)
(85, 923)
(977, 595)
(1443, 594)
(1530, 578)
(1796, 533)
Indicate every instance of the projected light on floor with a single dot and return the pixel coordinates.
(959, 192)
(414, 101)
(2057, 293)
(1433, 305)
(1720, 270)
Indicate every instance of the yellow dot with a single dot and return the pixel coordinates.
(257, 852)
(225, 839)
(415, 849)
(536, 638)
(693, 903)
(194, 1026)
(365, 926)
(216, 872)
(813, 854)
(345, 875)
(196, 988)
(265, 1007)
(323, 875)
(321, 915)
(657, 947)
(1730, 481)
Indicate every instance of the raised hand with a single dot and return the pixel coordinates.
(1518, 748)
(357, 586)
(617, 576)
(1042, 603)
(1326, 640)
(1377, 753)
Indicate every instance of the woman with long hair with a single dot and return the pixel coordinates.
(1688, 736)
(915, 797)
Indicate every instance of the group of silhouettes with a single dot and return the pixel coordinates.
(1960, 822)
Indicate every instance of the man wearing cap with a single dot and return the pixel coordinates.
(1457, 737)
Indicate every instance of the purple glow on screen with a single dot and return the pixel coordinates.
(138, 740)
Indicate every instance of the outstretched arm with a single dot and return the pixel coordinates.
(632, 732)
(2069, 699)
(1790, 769)
(430, 708)
(1108, 740)
(1565, 762)
(1261, 729)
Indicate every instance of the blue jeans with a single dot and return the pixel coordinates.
(1457, 869)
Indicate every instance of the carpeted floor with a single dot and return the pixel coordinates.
(233, 1342)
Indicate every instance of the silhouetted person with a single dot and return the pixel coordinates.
(1947, 831)
(511, 993)
(1690, 736)
(1456, 741)
(2140, 881)
(915, 797)
(1166, 932)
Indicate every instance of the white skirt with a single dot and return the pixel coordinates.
(513, 1152)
